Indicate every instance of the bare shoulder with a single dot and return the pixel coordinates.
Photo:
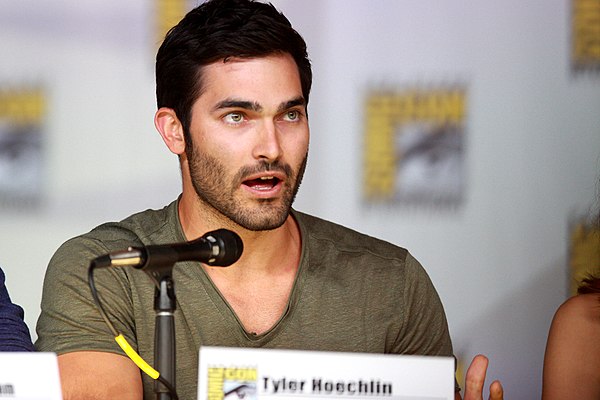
(572, 359)
(576, 324)
(580, 310)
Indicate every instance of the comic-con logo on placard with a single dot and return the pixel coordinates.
(585, 36)
(414, 144)
(232, 383)
(22, 121)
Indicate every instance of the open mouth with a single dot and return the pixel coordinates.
(264, 183)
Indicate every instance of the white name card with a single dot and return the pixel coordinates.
(29, 376)
(242, 373)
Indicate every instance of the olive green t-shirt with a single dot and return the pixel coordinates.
(352, 293)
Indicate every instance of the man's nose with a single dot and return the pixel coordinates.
(267, 146)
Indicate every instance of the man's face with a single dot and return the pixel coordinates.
(250, 135)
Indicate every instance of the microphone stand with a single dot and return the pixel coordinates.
(158, 261)
(164, 329)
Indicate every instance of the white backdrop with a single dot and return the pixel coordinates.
(532, 155)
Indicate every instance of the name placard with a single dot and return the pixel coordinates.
(29, 376)
(241, 373)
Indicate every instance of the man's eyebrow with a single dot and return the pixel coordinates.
(233, 103)
(298, 101)
(254, 106)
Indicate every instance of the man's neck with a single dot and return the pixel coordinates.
(264, 251)
(258, 285)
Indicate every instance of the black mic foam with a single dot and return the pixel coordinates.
(230, 247)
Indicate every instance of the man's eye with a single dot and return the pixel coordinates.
(292, 115)
(234, 118)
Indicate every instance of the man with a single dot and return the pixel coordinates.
(233, 82)
(14, 333)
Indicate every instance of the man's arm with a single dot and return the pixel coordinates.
(98, 375)
(70, 325)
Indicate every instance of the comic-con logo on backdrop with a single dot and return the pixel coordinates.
(585, 36)
(584, 250)
(168, 14)
(22, 116)
(414, 142)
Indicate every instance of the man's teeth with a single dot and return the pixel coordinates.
(264, 178)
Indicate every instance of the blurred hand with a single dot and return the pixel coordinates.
(475, 381)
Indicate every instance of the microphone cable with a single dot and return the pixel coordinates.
(122, 342)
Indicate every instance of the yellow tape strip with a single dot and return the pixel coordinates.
(135, 357)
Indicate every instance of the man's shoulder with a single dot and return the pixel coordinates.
(146, 227)
(139, 229)
(347, 240)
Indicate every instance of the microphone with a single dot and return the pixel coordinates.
(219, 248)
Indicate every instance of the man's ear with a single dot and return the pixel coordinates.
(171, 130)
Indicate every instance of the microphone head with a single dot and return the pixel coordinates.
(230, 247)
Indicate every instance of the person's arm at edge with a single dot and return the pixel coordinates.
(572, 361)
(14, 333)
(110, 376)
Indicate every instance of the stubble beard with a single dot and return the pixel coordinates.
(209, 179)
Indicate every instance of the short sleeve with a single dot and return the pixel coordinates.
(425, 328)
(69, 319)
